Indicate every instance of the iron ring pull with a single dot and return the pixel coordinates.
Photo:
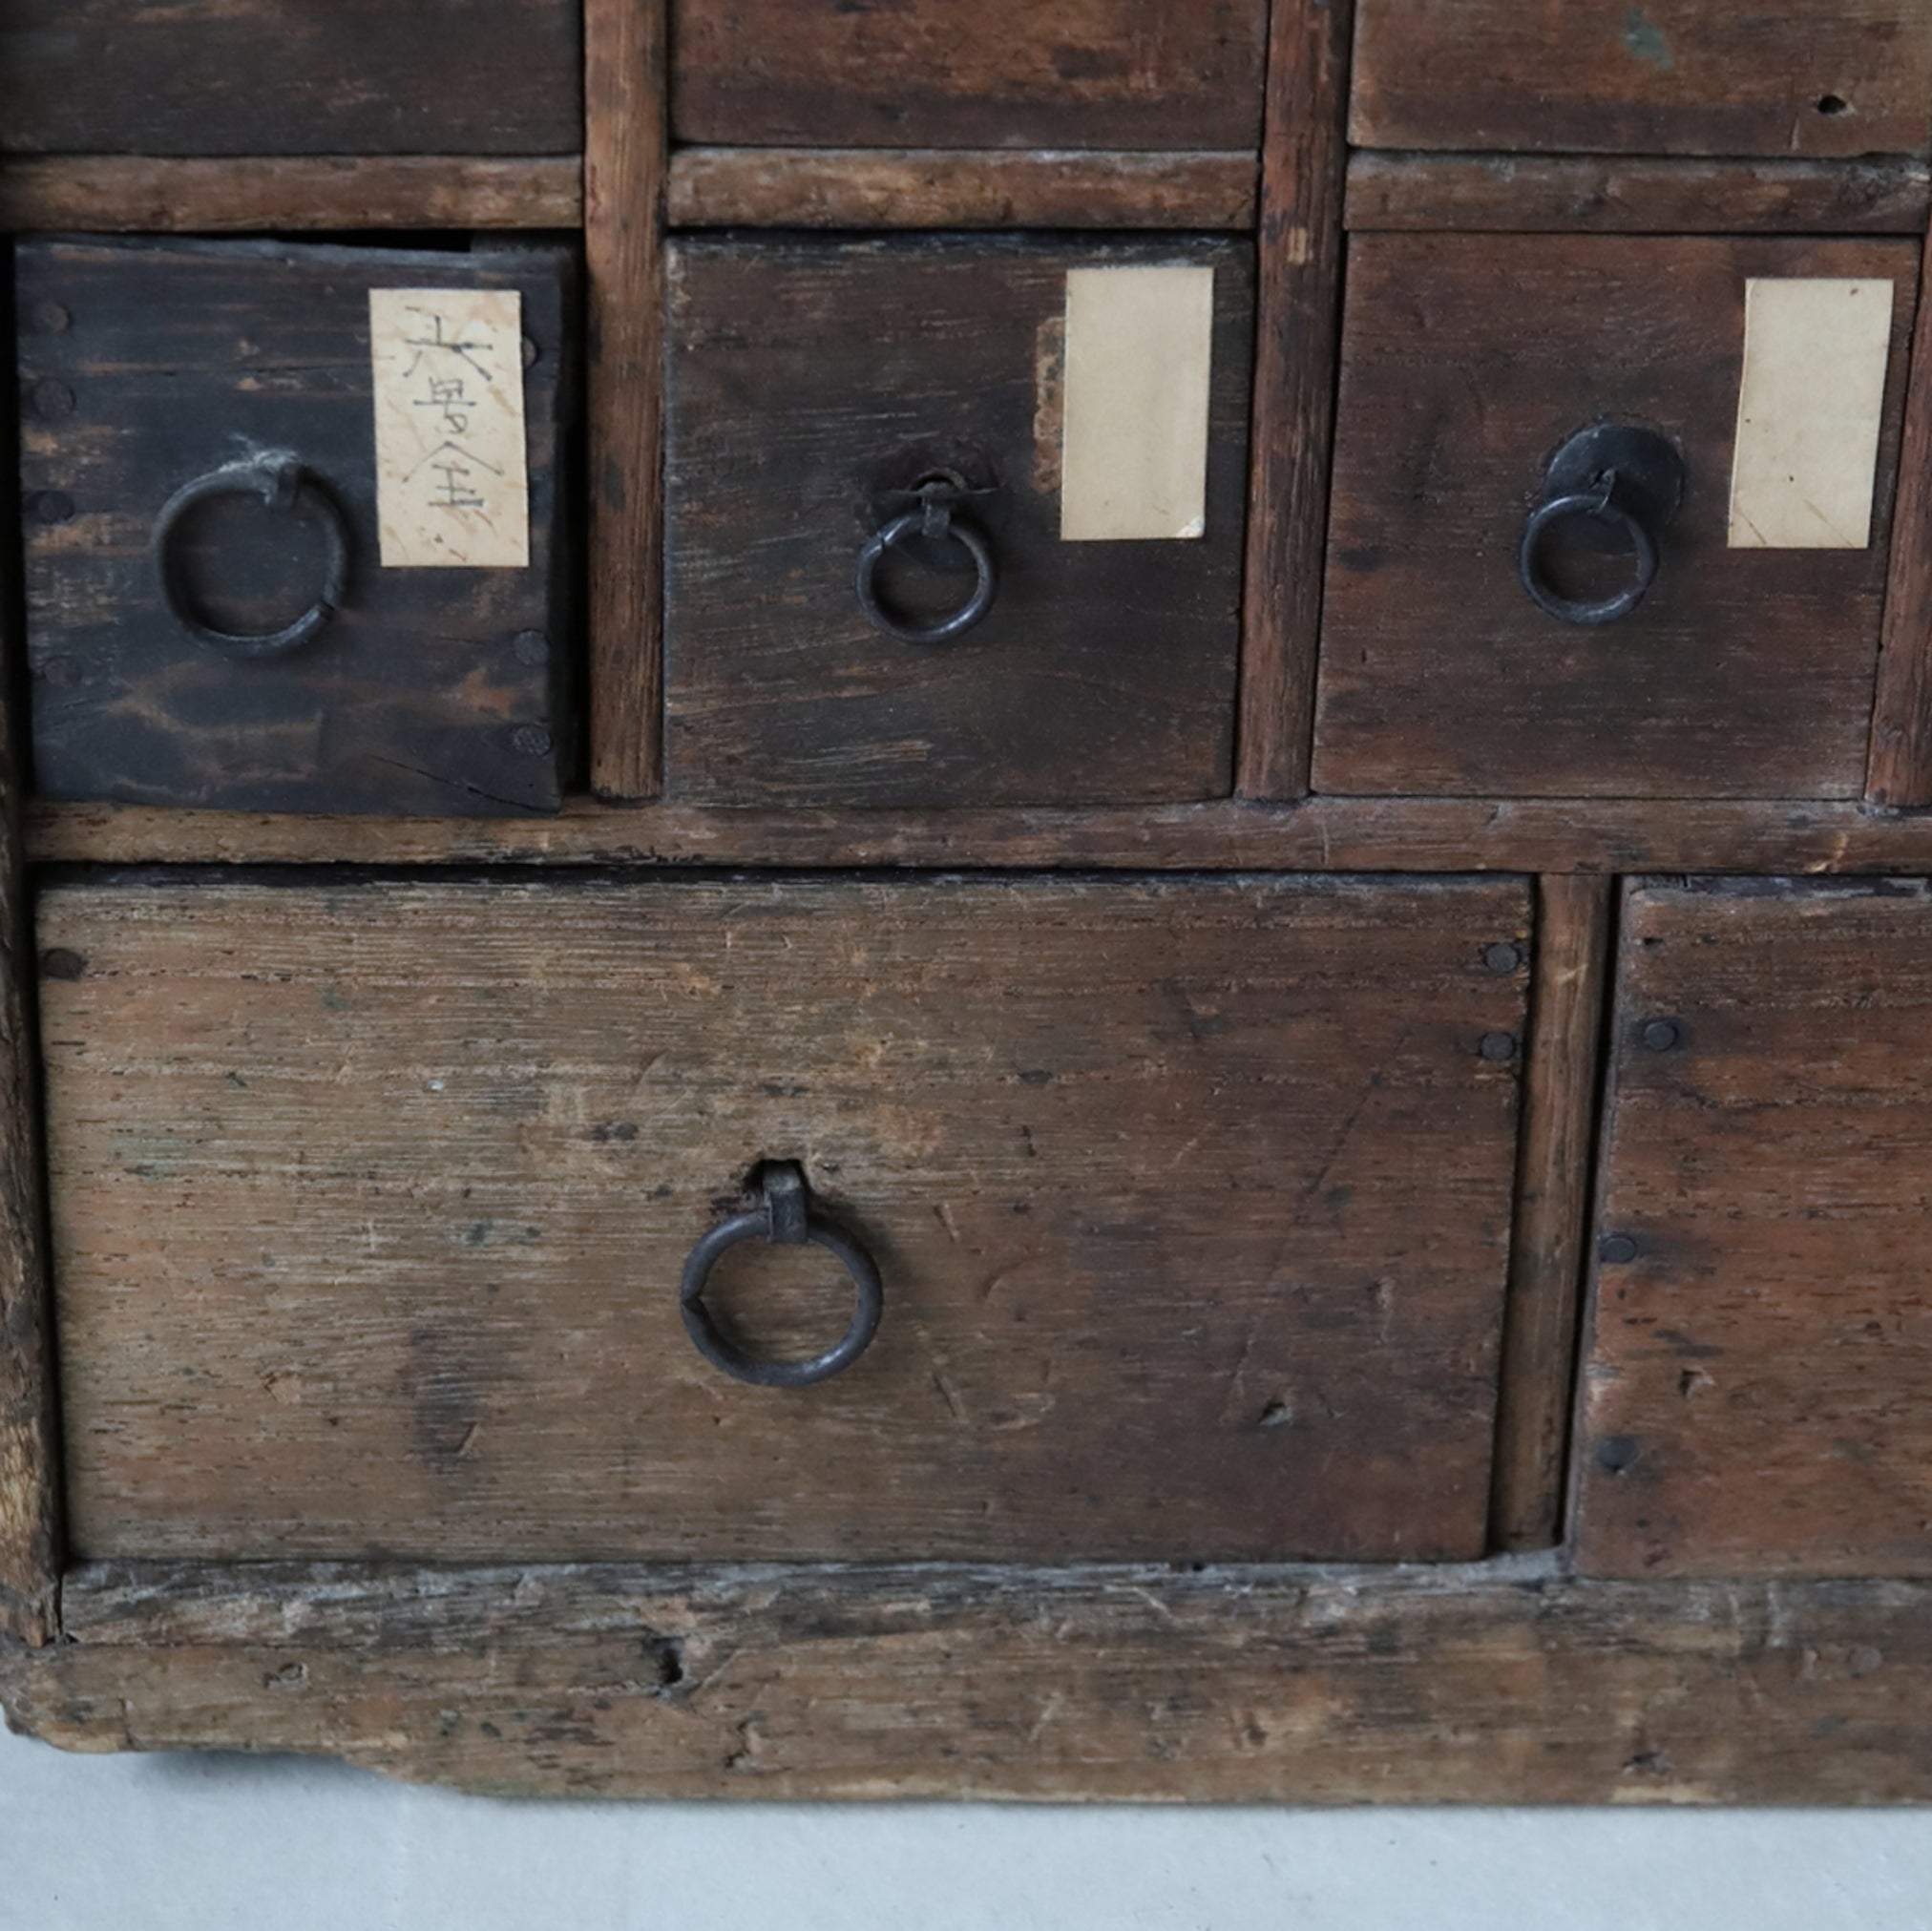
(284, 486)
(937, 517)
(786, 1218)
(1601, 504)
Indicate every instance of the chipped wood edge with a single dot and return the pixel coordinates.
(623, 183)
(713, 187)
(1501, 1682)
(1899, 769)
(134, 194)
(29, 1511)
(1522, 194)
(1552, 1204)
(1298, 297)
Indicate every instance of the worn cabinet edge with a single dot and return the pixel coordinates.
(1503, 1682)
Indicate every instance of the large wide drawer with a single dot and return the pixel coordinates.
(1190, 1203)
(264, 78)
(1754, 1392)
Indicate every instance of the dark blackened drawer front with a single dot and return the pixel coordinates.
(899, 74)
(813, 386)
(1189, 1202)
(245, 594)
(1739, 401)
(1755, 1388)
(1777, 77)
(265, 78)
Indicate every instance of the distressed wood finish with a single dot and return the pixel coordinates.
(140, 194)
(1900, 771)
(348, 76)
(807, 376)
(1631, 194)
(999, 74)
(1294, 391)
(1754, 1400)
(1546, 1253)
(1502, 1684)
(145, 365)
(623, 173)
(1191, 1201)
(1358, 834)
(1746, 673)
(1811, 77)
(949, 188)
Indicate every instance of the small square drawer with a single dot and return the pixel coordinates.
(1611, 515)
(1778, 77)
(294, 525)
(265, 78)
(995, 73)
(1004, 1218)
(955, 521)
(1754, 1386)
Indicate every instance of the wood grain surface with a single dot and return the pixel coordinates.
(1080, 74)
(1191, 1201)
(1754, 1400)
(261, 77)
(1504, 1683)
(148, 365)
(808, 380)
(1468, 361)
(1667, 77)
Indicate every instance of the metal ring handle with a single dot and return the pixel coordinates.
(985, 585)
(1600, 505)
(282, 485)
(786, 1217)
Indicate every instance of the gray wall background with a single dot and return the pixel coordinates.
(234, 1843)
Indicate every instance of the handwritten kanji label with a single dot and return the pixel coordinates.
(452, 479)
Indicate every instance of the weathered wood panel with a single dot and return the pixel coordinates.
(1500, 1684)
(1552, 1210)
(261, 77)
(1192, 1200)
(1631, 194)
(148, 365)
(893, 73)
(1468, 361)
(812, 381)
(1294, 391)
(1668, 76)
(951, 188)
(139, 193)
(1754, 1400)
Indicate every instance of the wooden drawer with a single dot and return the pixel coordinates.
(1755, 1390)
(261, 77)
(224, 606)
(812, 387)
(1469, 363)
(1191, 1201)
(1778, 77)
(910, 74)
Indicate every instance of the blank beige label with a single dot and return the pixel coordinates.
(1808, 414)
(1140, 349)
(453, 482)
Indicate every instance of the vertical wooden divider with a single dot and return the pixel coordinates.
(624, 161)
(1552, 1210)
(1898, 770)
(1303, 158)
(30, 1518)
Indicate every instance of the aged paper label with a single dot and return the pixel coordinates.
(453, 477)
(1809, 413)
(1140, 350)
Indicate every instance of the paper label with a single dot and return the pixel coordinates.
(452, 480)
(1809, 413)
(1140, 349)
